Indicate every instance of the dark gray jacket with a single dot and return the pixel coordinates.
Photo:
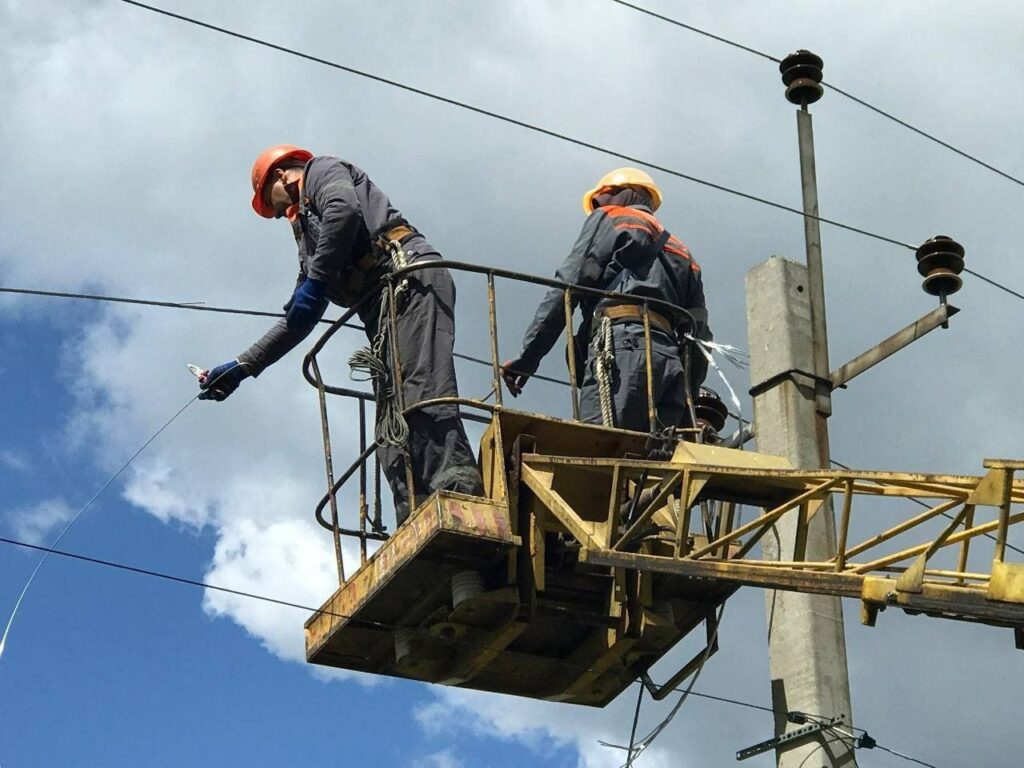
(340, 212)
(609, 254)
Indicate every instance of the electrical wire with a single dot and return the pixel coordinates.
(688, 691)
(905, 757)
(634, 752)
(480, 361)
(829, 85)
(195, 306)
(77, 515)
(866, 742)
(997, 284)
(556, 134)
(699, 31)
(203, 307)
(513, 121)
(182, 580)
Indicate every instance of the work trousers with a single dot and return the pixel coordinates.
(629, 381)
(438, 448)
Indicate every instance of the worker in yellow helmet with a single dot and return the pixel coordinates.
(349, 238)
(624, 248)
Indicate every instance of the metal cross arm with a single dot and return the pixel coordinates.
(938, 317)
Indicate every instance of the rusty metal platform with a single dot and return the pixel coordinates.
(569, 642)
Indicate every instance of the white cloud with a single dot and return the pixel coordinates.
(443, 759)
(285, 560)
(137, 133)
(35, 523)
(15, 460)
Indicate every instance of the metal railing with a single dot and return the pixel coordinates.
(372, 529)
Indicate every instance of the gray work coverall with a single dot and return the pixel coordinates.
(341, 210)
(610, 255)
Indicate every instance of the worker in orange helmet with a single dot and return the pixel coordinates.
(350, 237)
(625, 249)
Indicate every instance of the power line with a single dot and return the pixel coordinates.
(470, 358)
(865, 741)
(513, 121)
(195, 306)
(185, 581)
(556, 134)
(920, 132)
(835, 88)
(999, 285)
(699, 31)
(202, 307)
(229, 310)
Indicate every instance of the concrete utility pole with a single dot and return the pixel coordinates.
(792, 401)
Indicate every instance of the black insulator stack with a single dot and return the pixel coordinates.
(940, 261)
(801, 74)
(711, 411)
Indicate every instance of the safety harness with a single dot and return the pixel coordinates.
(603, 341)
(376, 360)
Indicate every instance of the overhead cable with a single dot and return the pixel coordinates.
(835, 88)
(183, 580)
(514, 121)
(699, 31)
(195, 306)
(203, 307)
(77, 515)
(551, 133)
(865, 741)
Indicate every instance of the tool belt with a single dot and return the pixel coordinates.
(357, 280)
(633, 312)
(399, 233)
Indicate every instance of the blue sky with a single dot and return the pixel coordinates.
(107, 668)
(128, 142)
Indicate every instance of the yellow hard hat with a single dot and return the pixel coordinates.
(623, 177)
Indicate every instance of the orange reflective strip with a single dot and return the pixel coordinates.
(629, 225)
(673, 246)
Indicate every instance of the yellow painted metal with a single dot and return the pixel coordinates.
(994, 488)
(562, 560)
(1007, 583)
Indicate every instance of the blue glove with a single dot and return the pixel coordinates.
(307, 304)
(223, 380)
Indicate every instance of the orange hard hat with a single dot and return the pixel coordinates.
(623, 177)
(265, 163)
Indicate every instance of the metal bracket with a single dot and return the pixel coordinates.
(792, 374)
(659, 692)
(938, 317)
(798, 734)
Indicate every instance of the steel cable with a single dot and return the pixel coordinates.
(835, 88)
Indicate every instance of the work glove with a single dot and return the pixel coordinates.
(516, 373)
(219, 383)
(307, 305)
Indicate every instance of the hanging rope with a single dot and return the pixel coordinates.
(391, 428)
(604, 364)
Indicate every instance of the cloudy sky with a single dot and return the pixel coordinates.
(128, 139)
